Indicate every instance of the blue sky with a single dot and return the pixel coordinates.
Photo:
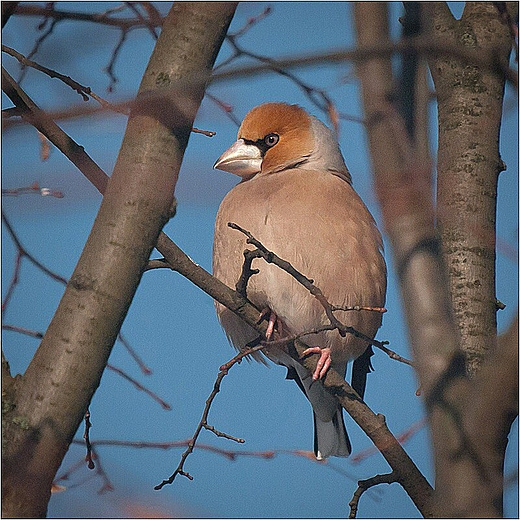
(172, 324)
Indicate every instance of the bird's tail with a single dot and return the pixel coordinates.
(330, 434)
(330, 437)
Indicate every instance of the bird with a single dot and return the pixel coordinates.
(296, 197)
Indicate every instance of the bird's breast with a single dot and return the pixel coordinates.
(318, 224)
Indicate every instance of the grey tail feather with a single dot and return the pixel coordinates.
(331, 437)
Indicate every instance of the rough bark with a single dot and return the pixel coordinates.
(469, 115)
(469, 468)
(469, 453)
(403, 184)
(404, 189)
(52, 396)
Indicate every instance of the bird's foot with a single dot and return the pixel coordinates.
(274, 323)
(323, 363)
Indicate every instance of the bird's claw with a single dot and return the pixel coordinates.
(273, 323)
(323, 363)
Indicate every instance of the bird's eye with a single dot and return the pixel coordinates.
(271, 139)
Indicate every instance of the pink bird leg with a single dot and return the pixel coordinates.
(323, 363)
(273, 323)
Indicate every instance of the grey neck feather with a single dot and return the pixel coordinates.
(327, 151)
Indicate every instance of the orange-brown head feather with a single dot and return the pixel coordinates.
(291, 123)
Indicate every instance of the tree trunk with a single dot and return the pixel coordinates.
(469, 467)
(46, 405)
(469, 102)
(468, 451)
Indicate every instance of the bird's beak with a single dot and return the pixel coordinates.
(241, 159)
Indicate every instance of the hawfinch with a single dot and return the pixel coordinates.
(296, 198)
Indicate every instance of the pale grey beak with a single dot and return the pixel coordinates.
(240, 159)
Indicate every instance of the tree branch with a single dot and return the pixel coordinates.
(365, 485)
(136, 204)
(410, 477)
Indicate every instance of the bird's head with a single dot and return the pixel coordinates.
(275, 136)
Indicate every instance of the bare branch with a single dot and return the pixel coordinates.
(29, 256)
(38, 43)
(412, 480)
(139, 386)
(149, 24)
(230, 455)
(203, 423)
(34, 188)
(109, 69)
(364, 485)
(143, 367)
(86, 438)
(22, 330)
(272, 258)
(83, 91)
(28, 9)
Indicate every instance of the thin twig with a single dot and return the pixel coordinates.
(22, 330)
(14, 280)
(225, 107)
(374, 425)
(203, 423)
(149, 24)
(402, 437)
(139, 386)
(140, 363)
(253, 20)
(86, 437)
(84, 91)
(262, 252)
(109, 69)
(28, 255)
(230, 455)
(34, 188)
(272, 258)
(37, 45)
(100, 18)
(207, 133)
(364, 485)
(100, 471)
(122, 373)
